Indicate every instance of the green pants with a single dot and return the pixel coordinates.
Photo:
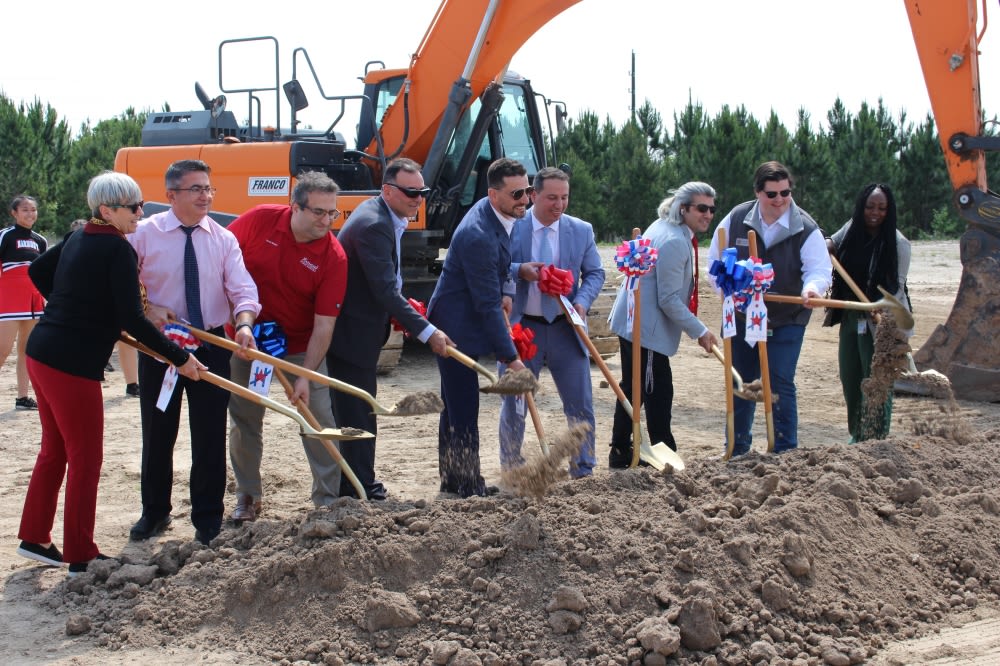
(855, 357)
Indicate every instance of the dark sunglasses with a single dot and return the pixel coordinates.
(132, 207)
(702, 208)
(517, 194)
(773, 193)
(412, 192)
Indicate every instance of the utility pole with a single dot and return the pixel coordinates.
(632, 89)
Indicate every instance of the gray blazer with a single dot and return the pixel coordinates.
(664, 292)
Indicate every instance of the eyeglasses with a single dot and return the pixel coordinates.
(703, 208)
(197, 190)
(412, 192)
(321, 212)
(132, 207)
(517, 194)
(773, 193)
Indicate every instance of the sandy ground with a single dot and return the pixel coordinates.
(718, 564)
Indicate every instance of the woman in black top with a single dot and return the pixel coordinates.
(91, 281)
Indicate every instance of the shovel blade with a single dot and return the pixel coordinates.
(659, 456)
(340, 434)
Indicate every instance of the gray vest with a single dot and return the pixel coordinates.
(785, 257)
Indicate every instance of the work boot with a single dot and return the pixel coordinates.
(620, 457)
(246, 509)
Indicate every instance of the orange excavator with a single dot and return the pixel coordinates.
(455, 109)
(967, 347)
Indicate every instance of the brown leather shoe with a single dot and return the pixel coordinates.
(246, 509)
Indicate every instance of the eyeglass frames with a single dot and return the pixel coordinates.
(773, 193)
(322, 212)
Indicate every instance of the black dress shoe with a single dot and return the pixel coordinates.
(205, 536)
(620, 458)
(145, 528)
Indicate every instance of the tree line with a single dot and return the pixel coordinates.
(620, 174)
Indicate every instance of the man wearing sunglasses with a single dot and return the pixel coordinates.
(571, 246)
(668, 305)
(467, 302)
(371, 240)
(301, 274)
(790, 240)
(193, 271)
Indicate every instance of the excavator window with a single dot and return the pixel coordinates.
(515, 129)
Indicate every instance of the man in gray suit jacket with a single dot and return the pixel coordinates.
(371, 240)
(571, 246)
(667, 311)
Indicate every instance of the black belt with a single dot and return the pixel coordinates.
(538, 319)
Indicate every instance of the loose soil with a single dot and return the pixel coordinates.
(832, 554)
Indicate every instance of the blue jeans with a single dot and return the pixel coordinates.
(561, 351)
(783, 347)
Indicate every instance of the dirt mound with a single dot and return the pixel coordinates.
(817, 556)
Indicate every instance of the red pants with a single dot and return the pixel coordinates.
(71, 409)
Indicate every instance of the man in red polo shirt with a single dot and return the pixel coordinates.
(301, 274)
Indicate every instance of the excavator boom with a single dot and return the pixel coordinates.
(966, 348)
(451, 49)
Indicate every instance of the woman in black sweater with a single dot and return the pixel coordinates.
(91, 282)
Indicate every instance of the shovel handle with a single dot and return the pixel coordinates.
(853, 285)
(529, 399)
(287, 366)
(233, 388)
(471, 363)
(765, 370)
(636, 366)
(730, 374)
(330, 448)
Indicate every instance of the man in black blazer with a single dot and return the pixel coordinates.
(371, 240)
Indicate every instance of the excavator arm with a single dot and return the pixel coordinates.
(468, 44)
(966, 348)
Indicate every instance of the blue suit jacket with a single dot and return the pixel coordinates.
(577, 253)
(466, 300)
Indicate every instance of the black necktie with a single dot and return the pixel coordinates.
(192, 293)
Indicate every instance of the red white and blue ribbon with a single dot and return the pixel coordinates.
(731, 277)
(181, 337)
(762, 279)
(635, 258)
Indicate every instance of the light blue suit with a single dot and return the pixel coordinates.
(559, 347)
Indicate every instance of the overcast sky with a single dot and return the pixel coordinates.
(91, 61)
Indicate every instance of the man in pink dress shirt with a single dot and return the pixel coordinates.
(222, 279)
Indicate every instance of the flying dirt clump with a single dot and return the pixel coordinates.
(424, 402)
(513, 382)
(534, 478)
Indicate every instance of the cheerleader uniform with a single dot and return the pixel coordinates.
(19, 300)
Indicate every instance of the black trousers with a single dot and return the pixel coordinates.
(657, 399)
(352, 412)
(208, 420)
